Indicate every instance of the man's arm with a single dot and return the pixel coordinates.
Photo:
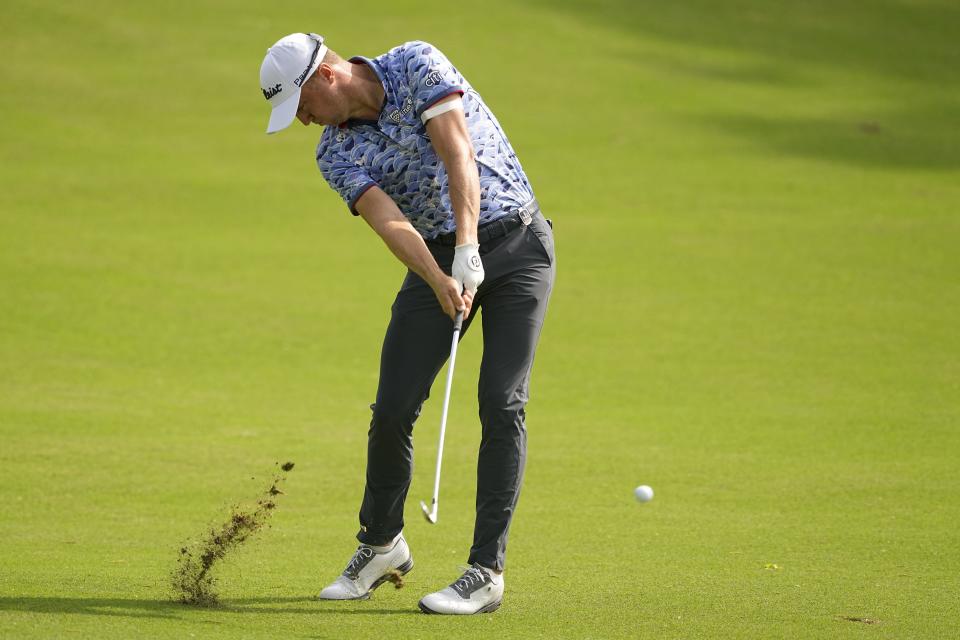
(451, 140)
(381, 213)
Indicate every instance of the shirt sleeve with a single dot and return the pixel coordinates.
(345, 174)
(430, 75)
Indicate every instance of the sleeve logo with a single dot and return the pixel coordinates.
(434, 78)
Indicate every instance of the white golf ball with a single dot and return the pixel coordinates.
(643, 493)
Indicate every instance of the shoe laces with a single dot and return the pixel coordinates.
(474, 576)
(359, 560)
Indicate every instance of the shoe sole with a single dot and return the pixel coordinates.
(490, 608)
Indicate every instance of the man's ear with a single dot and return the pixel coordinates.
(326, 72)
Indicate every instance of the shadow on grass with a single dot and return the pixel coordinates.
(880, 75)
(133, 608)
(907, 137)
(886, 38)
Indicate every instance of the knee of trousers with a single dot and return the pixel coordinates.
(393, 419)
(504, 405)
(503, 422)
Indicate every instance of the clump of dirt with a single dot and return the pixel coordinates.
(859, 619)
(193, 580)
(396, 578)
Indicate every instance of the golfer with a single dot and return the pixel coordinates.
(413, 149)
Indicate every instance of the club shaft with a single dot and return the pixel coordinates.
(443, 417)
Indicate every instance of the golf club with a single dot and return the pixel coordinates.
(430, 513)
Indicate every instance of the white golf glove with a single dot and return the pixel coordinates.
(467, 266)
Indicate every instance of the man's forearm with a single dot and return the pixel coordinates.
(451, 140)
(381, 213)
(383, 216)
(408, 246)
(464, 183)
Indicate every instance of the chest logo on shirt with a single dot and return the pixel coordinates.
(433, 79)
(397, 114)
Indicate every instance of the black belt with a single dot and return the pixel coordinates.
(497, 228)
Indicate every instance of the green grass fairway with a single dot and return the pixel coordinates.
(757, 312)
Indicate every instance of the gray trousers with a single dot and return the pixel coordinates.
(519, 270)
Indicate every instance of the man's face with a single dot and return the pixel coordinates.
(321, 102)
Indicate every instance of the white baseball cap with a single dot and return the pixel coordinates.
(287, 65)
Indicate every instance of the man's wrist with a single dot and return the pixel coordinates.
(435, 276)
(467, 237)
(467, 230)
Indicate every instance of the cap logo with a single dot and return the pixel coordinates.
(303, 76)
(272, 91)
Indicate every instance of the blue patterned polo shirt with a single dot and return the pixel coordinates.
(394, 152)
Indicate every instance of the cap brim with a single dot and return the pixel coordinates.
(283, 114)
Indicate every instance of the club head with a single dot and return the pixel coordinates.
(431, 516)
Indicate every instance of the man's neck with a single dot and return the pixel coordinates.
(367, 90)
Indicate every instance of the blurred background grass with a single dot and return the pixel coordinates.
(756, 218)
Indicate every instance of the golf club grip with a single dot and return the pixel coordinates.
(458, 321)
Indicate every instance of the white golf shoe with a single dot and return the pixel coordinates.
(478, 590)
(368, 569)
